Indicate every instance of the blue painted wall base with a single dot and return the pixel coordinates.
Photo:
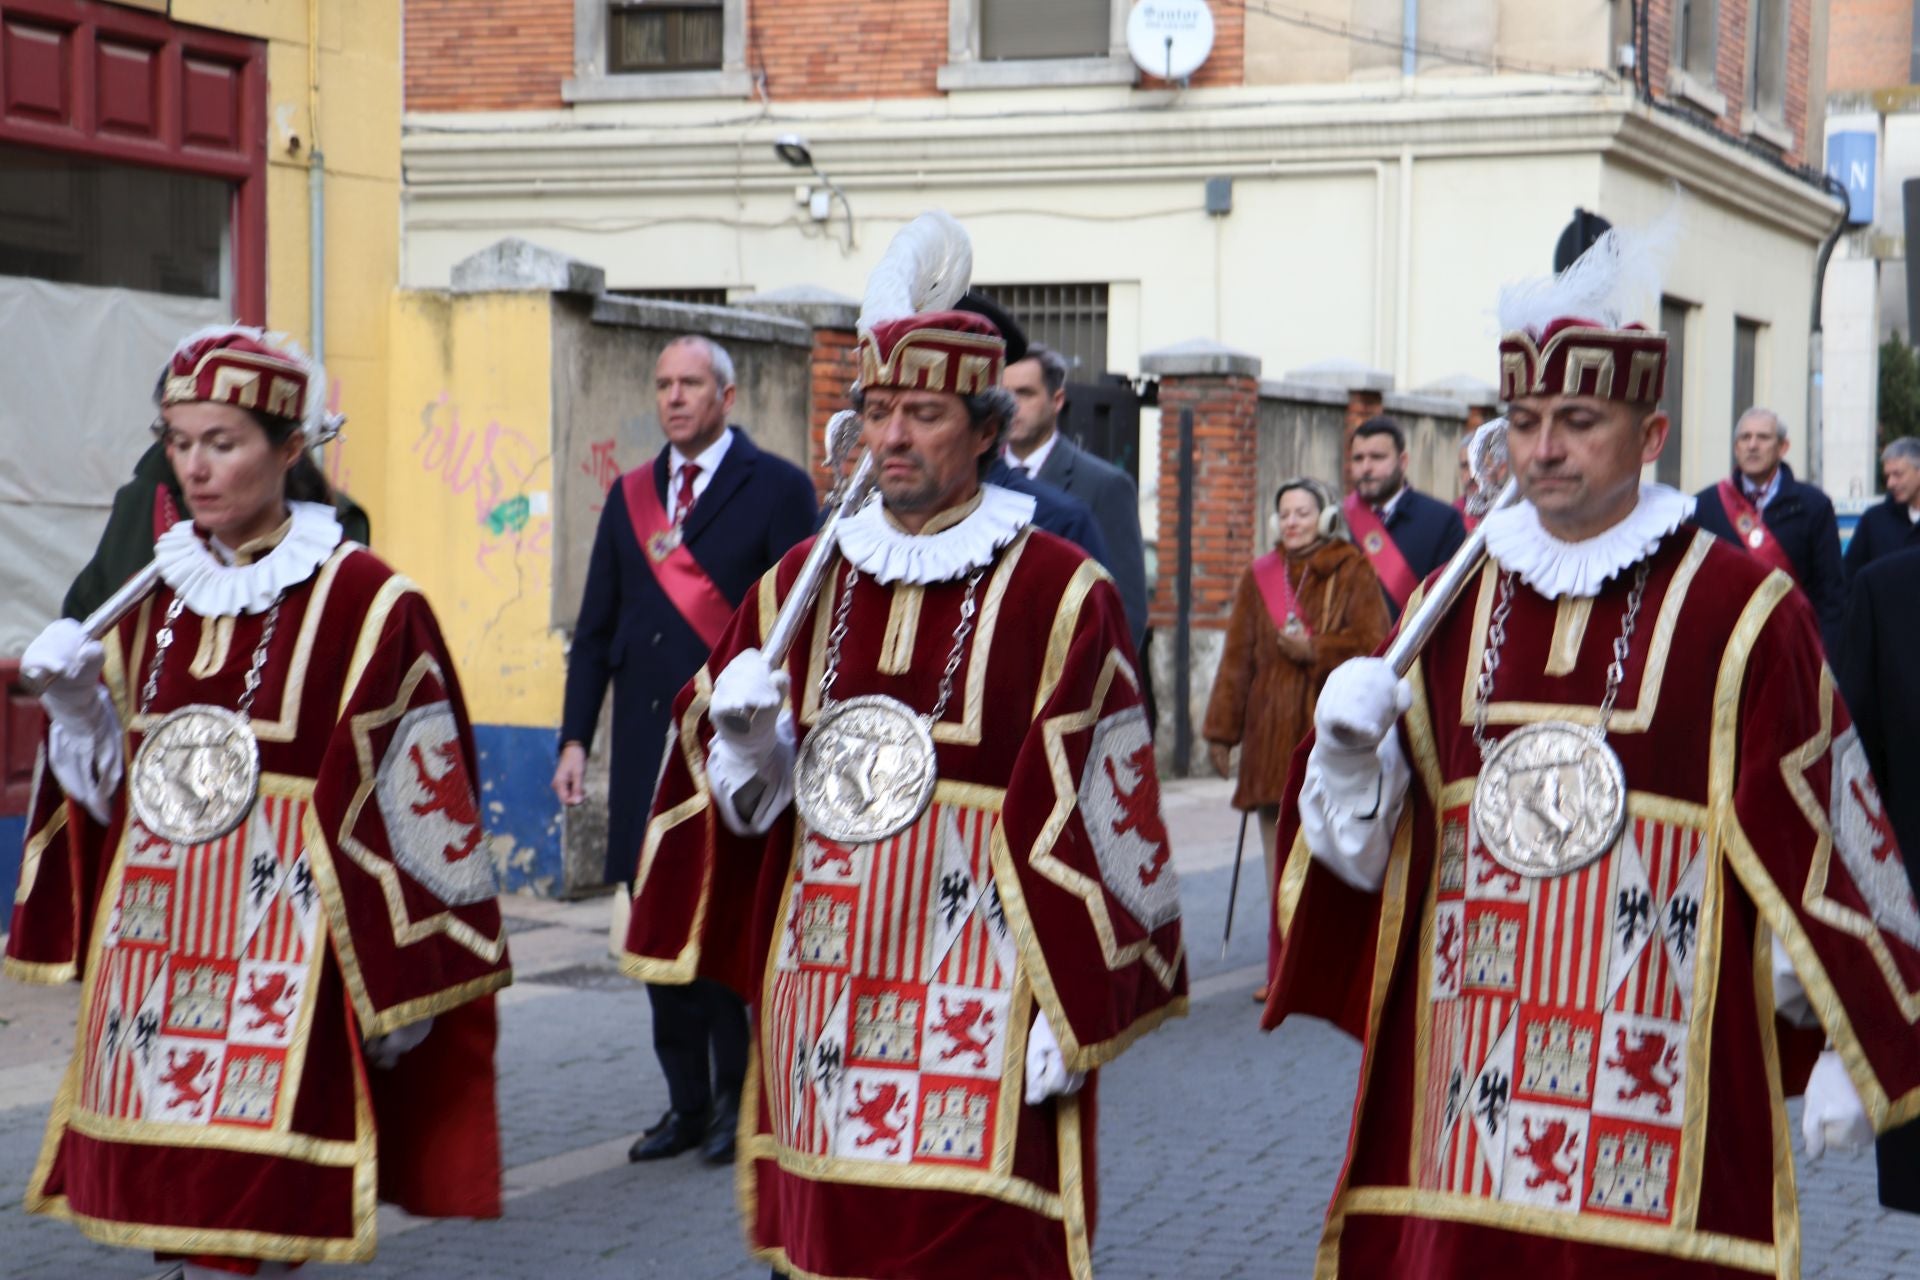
(13, 841)
(517, 806)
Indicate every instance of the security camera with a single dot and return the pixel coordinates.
(793, 148)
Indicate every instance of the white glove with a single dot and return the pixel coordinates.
(745, 707)
(1047, 1074)
(1359, 704)
(71, 659)
(1834, 1115)
(384, 1051)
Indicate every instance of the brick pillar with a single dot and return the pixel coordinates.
(831, 316)
(1221, 386)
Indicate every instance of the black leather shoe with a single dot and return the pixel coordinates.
(718, 1148)
(677, 1131)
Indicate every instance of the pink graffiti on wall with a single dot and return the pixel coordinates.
(491, 466)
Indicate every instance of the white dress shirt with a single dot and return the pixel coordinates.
(708, 460)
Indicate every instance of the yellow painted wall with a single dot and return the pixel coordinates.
(469, 466)
(359, 138)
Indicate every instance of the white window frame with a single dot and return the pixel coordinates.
(1756, 120)
(1683, 83)
(592, 82)
(965, 68)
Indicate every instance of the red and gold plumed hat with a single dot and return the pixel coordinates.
(1576, 357)
(250, 369)
(953, 351)
(1569, 334)
(909, 338)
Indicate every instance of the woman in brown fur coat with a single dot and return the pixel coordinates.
(1331, 606)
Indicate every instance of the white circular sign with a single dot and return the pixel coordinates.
(1170, 38)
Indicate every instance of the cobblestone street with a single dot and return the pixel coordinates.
(1218, 1145)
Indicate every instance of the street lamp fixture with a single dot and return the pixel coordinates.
(793, 150)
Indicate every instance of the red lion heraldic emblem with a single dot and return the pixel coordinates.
(1119, 799)
(448, 794)
(1645, 1063)
(1544, 1151)
(970, 1027)
(877, 1114)
(182, 1077)
(264, 998)
(432, 812)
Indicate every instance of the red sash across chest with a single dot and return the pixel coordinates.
(1270, 575)
(1752, 527)
(1396, 575)
(687, 585)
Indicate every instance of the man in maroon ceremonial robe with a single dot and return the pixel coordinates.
(1405, 533)
(681, 541)
(927, 1000)
(1574, 1031)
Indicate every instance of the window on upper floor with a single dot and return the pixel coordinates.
(1011, 29)
(1746, 363)
(1675, 319)
(1070, 318)
(631, 50)
(1696, 23)
(1012, 44)
(654, 35)
(1767, 59)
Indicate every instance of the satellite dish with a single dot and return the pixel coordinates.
(1170, 38)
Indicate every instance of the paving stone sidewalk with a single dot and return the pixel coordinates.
(1218, 1145)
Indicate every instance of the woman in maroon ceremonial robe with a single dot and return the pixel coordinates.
(1300, 611)
(255, 843)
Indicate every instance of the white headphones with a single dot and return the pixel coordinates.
(1329, 521)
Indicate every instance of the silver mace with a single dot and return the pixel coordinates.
(848, 495)
(101, 620)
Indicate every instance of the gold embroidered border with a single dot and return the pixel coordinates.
(1646, 698)
(371, 628)
(1569, 629)
(1581, 1228)
(903, 628)
(46, 974)
(1786, 1197)
(1066, 620)
(685, 966)
(405, 928)
(39, 841)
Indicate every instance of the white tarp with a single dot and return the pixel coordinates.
(77, 369)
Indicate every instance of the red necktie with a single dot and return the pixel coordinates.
(683, 501)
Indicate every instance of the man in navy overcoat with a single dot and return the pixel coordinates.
(681, 542)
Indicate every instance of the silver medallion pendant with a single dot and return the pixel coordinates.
(1550, 799)
(865, 771)
(196, 775)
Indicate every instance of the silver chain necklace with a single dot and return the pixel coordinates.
(1551, 796)
(867, 770)
(197, 773)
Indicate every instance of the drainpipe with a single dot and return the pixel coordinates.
(1409, 32)
(1816, 376)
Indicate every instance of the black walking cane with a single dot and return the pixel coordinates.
(1233, 888)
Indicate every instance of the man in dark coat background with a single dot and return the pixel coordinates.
(1036, 448)
(1881, 684)
(1425, 532)
(1762, 500)
(1893, 525)
(681, 541)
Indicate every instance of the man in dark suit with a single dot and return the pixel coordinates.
(1406, 534)
(680, 544)
(1778, 519)
(1893, 525)
(1035, 448)
(1881, 684)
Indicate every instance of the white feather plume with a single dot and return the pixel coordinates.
(1615, 283)
(926, 268)
(316, 423)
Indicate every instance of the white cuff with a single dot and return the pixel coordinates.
(1789, 997)
(766, 780)
(383, 1052)
(1350, 803)
(1833, 1115)
(85, 754)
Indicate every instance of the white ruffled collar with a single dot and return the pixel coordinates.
(1517, 541)
(213, 588)
(889, 554)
